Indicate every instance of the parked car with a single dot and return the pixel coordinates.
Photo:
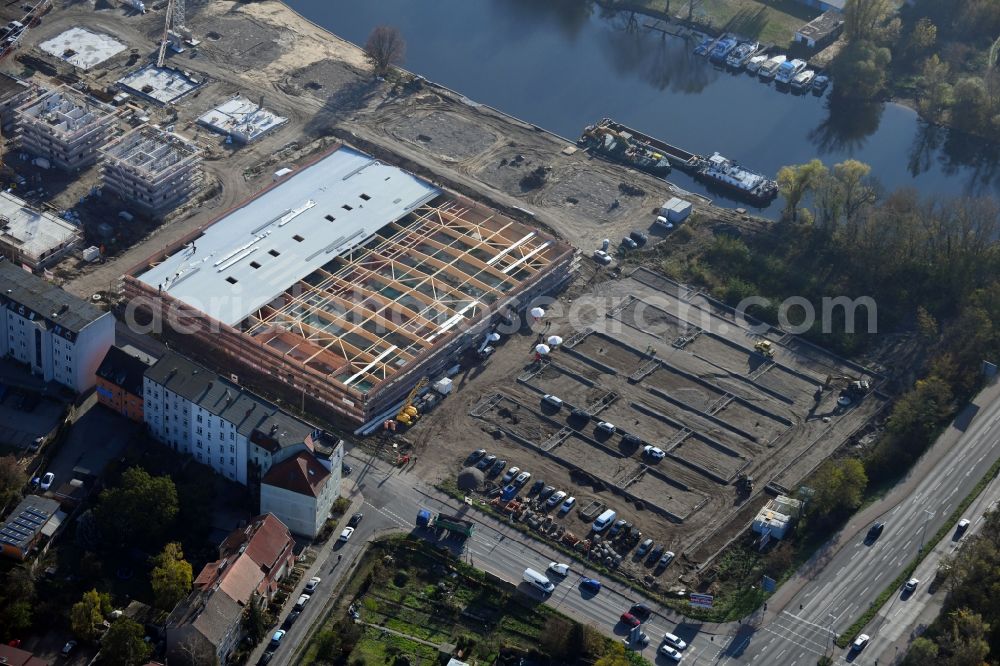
(497, 467)
(301, 602)
(654, 555)
(654, 452)
(546, 491)
(602, 257)
(644, 547)
(557, 498)
(666, 559)
(508, 492)
(631, 441)
(559, 569)
(346, 534)
(536, 487)
(276, 639)
(606, 428)
(476, 455)
(553, 401)
(346, 469)
(860, 642)
(47, 480)
(355, 519)
(510, 474)
(590, 585)
(522, 478)
(311, 585)
(630, 620)
(641, 611)
(639, 237)
(290, 620)
(670, 652)
(68, 649)
(962, 526)
(629, 243)
(567, 505)
(486, 461)
(674, 642)
(580, 415)
(911, 585)
(616, 528)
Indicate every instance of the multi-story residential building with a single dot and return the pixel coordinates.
(120, 381)
(34, 238)
(218, 422)
(301, 491)
(207, 626)
(59, 336)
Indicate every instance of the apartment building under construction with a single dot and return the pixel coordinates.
(65, 127)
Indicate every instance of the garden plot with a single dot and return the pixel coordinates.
(724, 463)
(683, 388)
(763, 427)
(653, 320)
(631, 419)
(611, 353)
(557, 381)
(521, 421)
(789, 384)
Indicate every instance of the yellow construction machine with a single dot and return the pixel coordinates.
(408, 414)
(765, 348)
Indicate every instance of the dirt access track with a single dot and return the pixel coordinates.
(678, 371)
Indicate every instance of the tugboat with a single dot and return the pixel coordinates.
(722, 49)
(618, 143)
(770, 68)
(746, 184)
(741, 54)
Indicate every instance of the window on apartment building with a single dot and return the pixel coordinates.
(68, 357)
(198, 444)
(232, 435)
(232, 460)
(198, 430)
(198, 419)
(222, 460)
(232, 449)
(199, 456)
(209, 435)
(69, 369)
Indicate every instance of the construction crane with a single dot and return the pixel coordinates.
(173, 28)
(166, 33)
(408, 414)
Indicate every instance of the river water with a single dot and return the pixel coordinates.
(560, 65)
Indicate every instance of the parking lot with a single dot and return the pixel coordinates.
(669, 369)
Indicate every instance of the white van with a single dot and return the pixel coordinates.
(538, 581)
(604, 520)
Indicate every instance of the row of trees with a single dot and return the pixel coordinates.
(942, 53)
(970, 620)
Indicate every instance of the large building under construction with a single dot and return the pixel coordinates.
(65, 127)
(346, 283)
(152, 170)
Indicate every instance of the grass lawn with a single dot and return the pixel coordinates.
(767, 20)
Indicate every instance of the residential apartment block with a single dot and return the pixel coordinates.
(120, 382)
(218, 422)
(207, 626)
(301, 491)
(59, 336)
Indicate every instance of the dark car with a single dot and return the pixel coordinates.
(546, 491)
(266, 659)
(629, 243)
(641, 611)
(346, 469)
(654, 555)
(536, 487)
(476, 455)
(631, 441)
(580, 415)
(644, 547)
(486, 462)
(498, 467)
(292, 617)
(355, 519)
(639, 237)
(875, 531)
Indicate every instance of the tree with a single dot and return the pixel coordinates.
(171, 576)
(966, 642)
(794, 181)
(17, 596)
(923, 652)
(385, 47)
(863, 19)
(970, 110)
(87, 615)
(935, 90)
(859, 70)
(693, 5)
(123, 645)
(12, 480)
(255, 620)
(923, 37)
(614, 655)
(838, 486)
(139, 510)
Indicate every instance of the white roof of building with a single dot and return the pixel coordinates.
(34, 232)
(251, 255)
(242, 117)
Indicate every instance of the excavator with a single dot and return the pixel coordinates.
(853, 388)
(408, 414)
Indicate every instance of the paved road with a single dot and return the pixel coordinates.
(846, 583)
(903, 617)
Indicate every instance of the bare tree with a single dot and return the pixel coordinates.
(693, 5)
(385, 47)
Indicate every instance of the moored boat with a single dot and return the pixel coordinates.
(749, 185)
(770, 67)
(721, 50)
(803, 80)
(753, 65)
(739, 56)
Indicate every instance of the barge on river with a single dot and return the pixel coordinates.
(633, 148)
